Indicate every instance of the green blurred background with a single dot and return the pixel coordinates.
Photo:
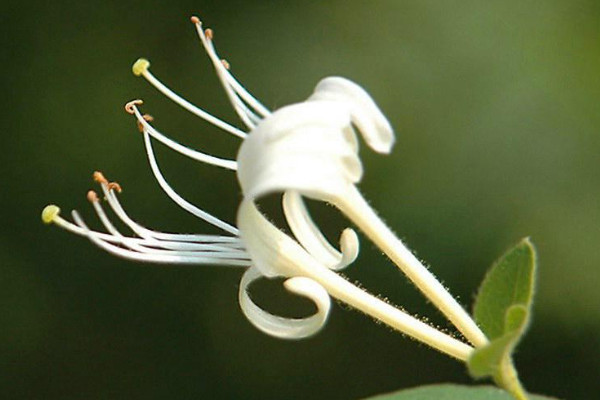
(497, 112)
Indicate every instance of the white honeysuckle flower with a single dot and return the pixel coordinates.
(306, 149)
(311, 148)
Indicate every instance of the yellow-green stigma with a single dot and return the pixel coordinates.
(140, 66)
(49, 213)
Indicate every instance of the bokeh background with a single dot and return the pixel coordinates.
(497, 112)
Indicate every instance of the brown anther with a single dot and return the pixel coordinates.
(130, 107)
(92, 196)
(147, 118)
(225, 64)
(209, 34)
(194, 19)
(99, 177)
(115, 186)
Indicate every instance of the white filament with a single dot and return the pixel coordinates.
(180, 201)
(174, 258)
(149, 246)
(233, 88)
(192, 108)
(172, 241)
(194, 155)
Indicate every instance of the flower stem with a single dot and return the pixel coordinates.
(508, 379)
(358, 210)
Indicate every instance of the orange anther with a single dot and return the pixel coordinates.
(130, 106)
(92, 196)
(209, 34)
(194, 19)
(147, 118)
(99, 177)
(115, 186)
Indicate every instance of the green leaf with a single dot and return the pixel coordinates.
(509, 282)
(452, 392)
(503, 310)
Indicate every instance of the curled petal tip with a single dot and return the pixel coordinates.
(365, 114)
(140, 66)
(49, 213)
(350, 246)
(286, 328)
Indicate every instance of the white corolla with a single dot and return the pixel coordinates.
(308, 149)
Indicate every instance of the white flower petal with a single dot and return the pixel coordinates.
(294, 117)
(311, 238)
(271, 250)
(365, 114)
(310, 147)
(350, 246)
(305, 230)
(286, 328)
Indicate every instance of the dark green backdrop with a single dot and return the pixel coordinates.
(496, 107)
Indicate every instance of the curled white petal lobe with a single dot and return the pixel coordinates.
(311, 146)
(273, 253)
(349, 248)
(311, 238)
(286, 328)
(365, 114)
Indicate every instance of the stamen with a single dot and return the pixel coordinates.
(235, 85)
(49, 213)
(174, 258)
(63, 223)
(145, 72)
(147, 118)
(174, 238)
(130, 106)
(221, 245)
(189, 207)
(99, 177)
(92, 197)
(149, 247)
(193, 154)
(140, 66)
(246, 115)
(147, 250)
(115, 186)
(225, 64)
